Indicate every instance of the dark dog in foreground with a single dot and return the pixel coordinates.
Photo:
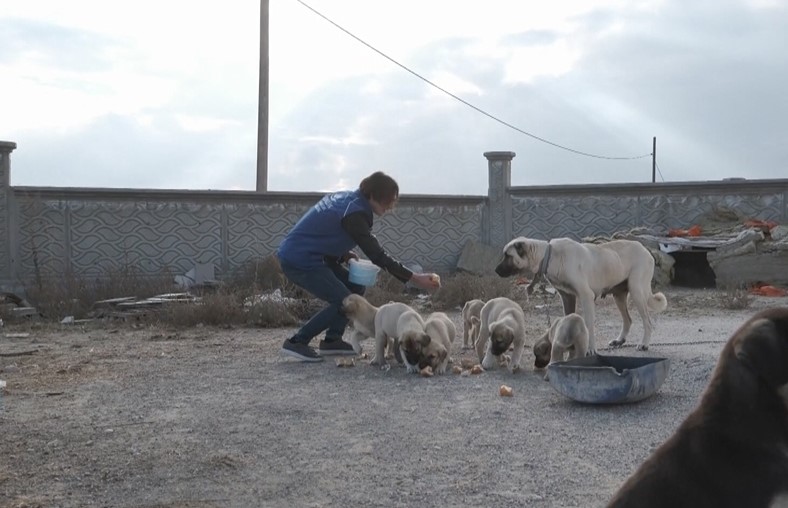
(732, 450)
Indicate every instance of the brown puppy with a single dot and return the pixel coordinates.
(732, 450)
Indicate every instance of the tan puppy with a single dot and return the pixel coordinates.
(361, 314)
(501, 324)
(585, 271)
(470, 331)
(568, 334)
(390, 328)
(411, 340)
(732, 450)
(435, 353)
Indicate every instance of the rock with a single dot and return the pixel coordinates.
(479, 259)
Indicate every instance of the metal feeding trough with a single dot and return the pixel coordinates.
(608, 379)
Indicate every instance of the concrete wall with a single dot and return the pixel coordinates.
(91, 232)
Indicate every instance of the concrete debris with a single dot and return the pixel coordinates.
(273, 296)
(479, 259)
(740, 251)
(129, 306)
(202, 275)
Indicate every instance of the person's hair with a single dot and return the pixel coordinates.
(380, 187)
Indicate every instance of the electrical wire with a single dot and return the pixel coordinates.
(659, 170)
(507, 124)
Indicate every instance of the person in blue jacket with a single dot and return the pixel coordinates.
(314, 253)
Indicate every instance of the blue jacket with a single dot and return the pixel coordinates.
(319, 232)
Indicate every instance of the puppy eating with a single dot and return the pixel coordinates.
(412, 340)
(732, 450)
(501, 324)
(470, 330)
(567, 335)
(361, 314)
(390, 330)
(434, 353)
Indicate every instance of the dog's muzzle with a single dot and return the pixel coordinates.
(499, 348)
(505, 268)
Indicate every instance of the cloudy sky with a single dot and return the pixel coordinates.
(163, 94)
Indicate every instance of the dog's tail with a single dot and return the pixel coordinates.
(657, 302)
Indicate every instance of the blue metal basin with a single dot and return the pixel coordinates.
(603, 379)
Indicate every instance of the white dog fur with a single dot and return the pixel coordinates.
(586, 271)
(470, 331)
(501, 324)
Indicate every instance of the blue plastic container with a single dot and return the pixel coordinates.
(608, 379)
(363, 272)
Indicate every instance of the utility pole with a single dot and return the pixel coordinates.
(654, 161)
(262, 103)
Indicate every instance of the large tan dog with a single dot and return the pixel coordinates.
(501, 325)
(585, 271)
(732, 450)
(396, 322)
(568, 334)
(470, 331)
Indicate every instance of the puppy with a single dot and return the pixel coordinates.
(435, 352)
(732, 450)
(388, 329)
(411, 340)
(361, 314)
(470, 331)
(568, 334)
(501, 324)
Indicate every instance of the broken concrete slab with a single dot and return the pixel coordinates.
(750, 268)
(478, 258)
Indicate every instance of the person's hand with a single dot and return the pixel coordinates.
(349, 255)
(428, 281)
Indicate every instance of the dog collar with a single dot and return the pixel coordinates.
(545, 261)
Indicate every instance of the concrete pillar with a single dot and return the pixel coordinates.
(499, 216)
(7, 245)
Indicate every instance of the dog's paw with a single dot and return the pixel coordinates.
(378, 361)
(412, 369)
(642, 348)
(488, 363)
(515, 369)
(616, 343)
(591, 352)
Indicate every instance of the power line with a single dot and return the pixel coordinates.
(507, 124)
(659, 171)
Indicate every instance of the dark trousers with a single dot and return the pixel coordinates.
(329, 283)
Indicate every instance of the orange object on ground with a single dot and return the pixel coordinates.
(692, 231)
(768, 290)
(763, 225)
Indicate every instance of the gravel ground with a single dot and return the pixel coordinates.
(203, 417)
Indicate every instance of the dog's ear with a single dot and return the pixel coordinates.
(424, 340)
(521, 248)
(762, 346)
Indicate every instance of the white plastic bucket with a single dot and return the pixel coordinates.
(363, 272)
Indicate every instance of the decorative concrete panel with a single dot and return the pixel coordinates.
(42, 238)
(155, 237)
(432, 236)
(255, 231)
(575, 216)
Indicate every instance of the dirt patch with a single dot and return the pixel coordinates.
(203, 417)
